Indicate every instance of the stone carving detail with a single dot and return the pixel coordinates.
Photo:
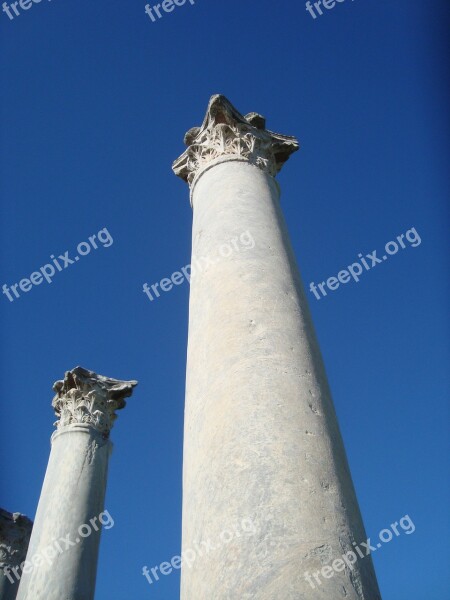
(225, 132)
(87, 398)
(15, 531)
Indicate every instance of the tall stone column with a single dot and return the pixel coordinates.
(63, 552)
(262, 440)
(15, 531)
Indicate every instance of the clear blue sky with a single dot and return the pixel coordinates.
(95, 101)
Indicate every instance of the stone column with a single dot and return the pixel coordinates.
(262, 440)
(63, 552)
(15, 531)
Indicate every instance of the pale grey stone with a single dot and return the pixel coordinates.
(73, 492)
(261, 434)
(15, 531)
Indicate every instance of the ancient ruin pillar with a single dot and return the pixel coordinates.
(15, 531)
(262, 440)
(70, 514)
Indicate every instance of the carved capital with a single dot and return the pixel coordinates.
(225, 132)
(15, 531)
(83, 397)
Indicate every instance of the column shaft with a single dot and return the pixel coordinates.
(73, 493)
(262, 440)
(62, 556)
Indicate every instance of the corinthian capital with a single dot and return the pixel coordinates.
(15, 531)
(225, 132)
(83, 397)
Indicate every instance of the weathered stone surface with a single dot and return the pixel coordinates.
(225, 132)
(261, 435)
(87, 398)
(15, 531)
(73, 492)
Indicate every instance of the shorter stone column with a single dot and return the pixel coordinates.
(62, 557)
(15, 531)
